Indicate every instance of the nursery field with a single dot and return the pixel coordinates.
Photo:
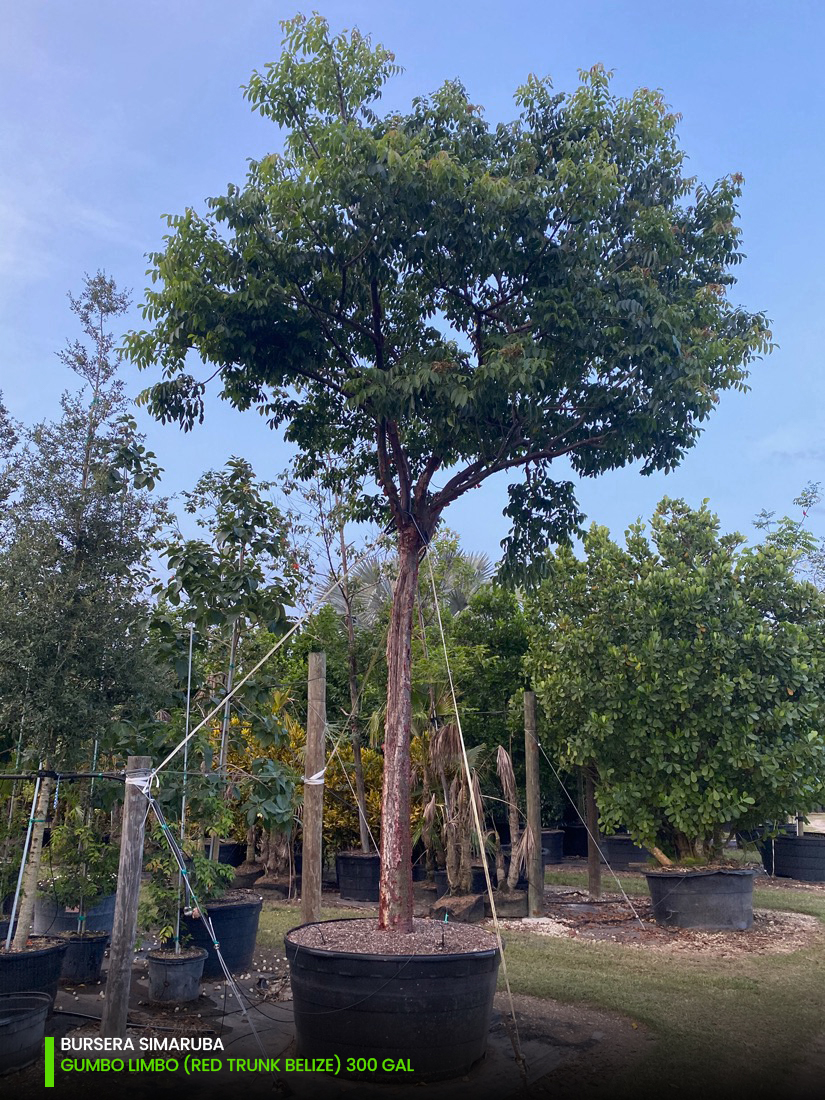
(719, 1021)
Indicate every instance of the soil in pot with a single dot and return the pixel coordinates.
(175, 978)
(714, 899)
(426, 998)
(235, 920)
(358, 875)
(37, 969)
(84, 956)
(22, 1023)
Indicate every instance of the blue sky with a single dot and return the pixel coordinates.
(114, 115)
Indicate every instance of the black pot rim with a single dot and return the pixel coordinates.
(240, 903)
(320, 952)
(56, 944)
(158, 954)
(356, 852)
(699, 872)
(92, 935)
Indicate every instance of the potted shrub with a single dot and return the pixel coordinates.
(78, 902)
(428, 297)
(175, 967)
(689, 674)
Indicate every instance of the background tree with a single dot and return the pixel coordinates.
(441, 300)
(689, 673)
(75, 570)
(233, 588)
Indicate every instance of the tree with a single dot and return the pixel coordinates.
(440, 301)
(689, 673)
(238, 578)
(75, 541)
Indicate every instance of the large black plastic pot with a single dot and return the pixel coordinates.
(358, 875)
(575, 839)
(33, 971)
(236, 929)
(799, 857)
(431, 1010)
(84, 957)
(552, 845)
(621, 853)
(175, 979)
(50, 918)
(22, 1023)
(715, 900)
(232, 852)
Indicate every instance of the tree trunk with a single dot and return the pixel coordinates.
(594, 864)
(28, 886)
(354, 703)
(395, 902)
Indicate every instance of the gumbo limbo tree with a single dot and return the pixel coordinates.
(441, 300)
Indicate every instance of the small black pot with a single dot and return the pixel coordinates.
(358, 875)
(430, 1010)
(84, 957)
(175, 979)
(236, 929)
(720, 900)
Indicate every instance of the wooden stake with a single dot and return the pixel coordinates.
(594, 865)
(124, 928)
(313, 822)
(535, 867)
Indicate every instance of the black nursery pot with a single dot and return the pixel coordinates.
(433, 1011)
(620, 853)
(236, 929)
(720, 900)
(358, 875)
(175, 979)
(84, 957)
(22, 1023)
(36, 970)
(799, 857)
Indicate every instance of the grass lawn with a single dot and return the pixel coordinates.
(735, 1026)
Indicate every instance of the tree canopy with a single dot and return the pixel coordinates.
(428, 292)
(689, 672)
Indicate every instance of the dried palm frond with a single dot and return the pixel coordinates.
(445, 747)
(504, 768)
(429, 820)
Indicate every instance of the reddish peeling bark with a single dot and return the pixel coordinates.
(395, 902)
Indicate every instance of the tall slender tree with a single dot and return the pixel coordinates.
(75, 539)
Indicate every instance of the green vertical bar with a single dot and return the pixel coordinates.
(49, 1063)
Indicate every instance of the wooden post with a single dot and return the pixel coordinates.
(313, 821)
(594, 864)
(535, 866)
(119, 981)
